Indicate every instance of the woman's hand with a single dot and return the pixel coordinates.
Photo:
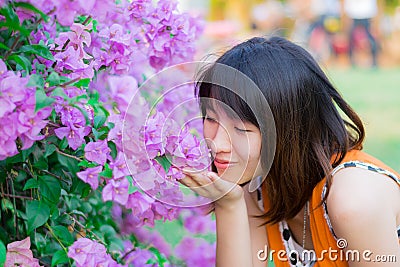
(233, 231)
(208, 184)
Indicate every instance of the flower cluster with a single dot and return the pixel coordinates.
(21, 125)
(130, 35)
(70, 90)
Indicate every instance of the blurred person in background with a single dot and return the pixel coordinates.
(361, 12)
(325, 22)
(269, 17)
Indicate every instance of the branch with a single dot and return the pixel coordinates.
(12, 48)
(51, 89)
(15, 196)
(68, 155)
(56, 176)
(127, 253)
(83, 227)
(53, 124)
(69, 82)
(67, 42)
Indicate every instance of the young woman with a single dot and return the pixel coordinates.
(290, 179)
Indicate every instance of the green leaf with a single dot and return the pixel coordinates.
(108, 231)
(10, 15)
(98, 134)
(86, 207)
(6, 204)
(63, 144)
(36, 80)
(70, 163)
(110, 125)
(49, 150)
(31, 183)
(37, 49)
(59, 92)
(21, 176)
(94, 98)
(42, 100)
(99, 120)
(25, 153)
(60, 257)
(30, 7)
(37, 214)
(131, 188)
(22, 61)
(15, 159)
(164, 161)
(113, 148)
(107, 173)
(64, 219)
(63, 234)
(160, 258)
(50, 188)
(95, 23)
(53, 79)
(86, 164)
(78, 212)
(41, 163)
(83, 83)
(3, 46)
(3, 252)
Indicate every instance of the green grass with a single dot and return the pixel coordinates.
(375, 96)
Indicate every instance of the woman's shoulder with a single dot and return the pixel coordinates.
(356, 191)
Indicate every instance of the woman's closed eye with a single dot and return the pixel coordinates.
(242, 130)
(210, 119)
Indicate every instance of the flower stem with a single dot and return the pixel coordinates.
(58, 240)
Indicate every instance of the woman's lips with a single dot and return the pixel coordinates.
(222, 164)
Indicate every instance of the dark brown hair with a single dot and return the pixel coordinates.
(311, 135)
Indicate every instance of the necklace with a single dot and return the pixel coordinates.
(305, 224)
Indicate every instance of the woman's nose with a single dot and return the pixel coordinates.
(222, 140)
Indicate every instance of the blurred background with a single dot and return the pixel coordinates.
(357, 42)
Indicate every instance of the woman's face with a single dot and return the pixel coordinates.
(236, 145)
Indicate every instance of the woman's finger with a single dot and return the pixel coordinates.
(201, 179)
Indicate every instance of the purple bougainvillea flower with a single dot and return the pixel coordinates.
(3, 67)
(75, 136)
(97, 151)
(116, 190)
(6, 106)
(139, 203)
(70, 59)
(67, 11)
(86, 252)
(122, 88)
(152, 135)
(91, 176)
(19, 254)
(119, 167)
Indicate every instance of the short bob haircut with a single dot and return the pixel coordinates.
(311, 135)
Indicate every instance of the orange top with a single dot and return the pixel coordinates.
(323, 240)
